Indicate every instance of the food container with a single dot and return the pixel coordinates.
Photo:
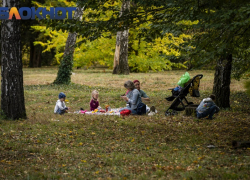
(107, 108)
(102, 111)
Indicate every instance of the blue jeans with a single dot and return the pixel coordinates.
(59, 111)
(133, 111)
(210, 112)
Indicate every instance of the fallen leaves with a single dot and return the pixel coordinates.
(115, 148)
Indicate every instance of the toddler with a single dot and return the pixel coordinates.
(60, 107)
(94, 102)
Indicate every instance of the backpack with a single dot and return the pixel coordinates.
(141, 108)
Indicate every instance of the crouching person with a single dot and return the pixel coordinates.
(207, 107)
(60, 107)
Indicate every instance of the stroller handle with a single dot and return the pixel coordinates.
(199, 75)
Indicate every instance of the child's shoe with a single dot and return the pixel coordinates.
(152, 109)
(151, 113)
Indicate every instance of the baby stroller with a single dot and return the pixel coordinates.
(191, 87)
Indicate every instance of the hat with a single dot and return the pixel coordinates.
(136, 81)
(61, 95)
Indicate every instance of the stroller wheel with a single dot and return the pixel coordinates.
(167, 113)
(171, 113)
(174, 112)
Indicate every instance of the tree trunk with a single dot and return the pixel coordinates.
(121, 49)
(66, 65)
(39, 55)
(222, 80)
(12, 97)
(32, 51)
(35, 55)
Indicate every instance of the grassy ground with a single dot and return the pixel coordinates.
(48, 146)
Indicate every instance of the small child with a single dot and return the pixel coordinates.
(207, 107)
(60, 107)
(94, 102)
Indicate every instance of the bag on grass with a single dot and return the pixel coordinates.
(184, 78)
(125, 112)
(196, 93)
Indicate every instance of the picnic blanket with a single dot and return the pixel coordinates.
(108, 113)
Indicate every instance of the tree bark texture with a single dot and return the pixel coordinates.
(66, 65)
(121, 49)
(12, 97)
(222, 80)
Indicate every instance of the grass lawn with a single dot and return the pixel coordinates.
(73, 146)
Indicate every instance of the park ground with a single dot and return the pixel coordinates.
(73, 146)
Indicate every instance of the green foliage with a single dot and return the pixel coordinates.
(247, 86)
(100, 51)
(51, 40)
(155, 55)
(54, 3)
(218, 28)
(151, 56)
(143, 63)
(145, 53)
(65, 70)
(241, 64)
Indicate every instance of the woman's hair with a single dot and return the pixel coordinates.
(129, 85)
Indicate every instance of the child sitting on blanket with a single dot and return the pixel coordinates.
(94, 102)
(60, 107)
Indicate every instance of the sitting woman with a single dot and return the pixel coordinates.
(133, 97)
(144, 96)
